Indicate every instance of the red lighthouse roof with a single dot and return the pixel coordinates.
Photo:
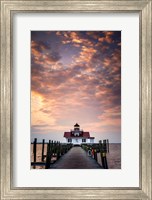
(81, 135)
(77, 133)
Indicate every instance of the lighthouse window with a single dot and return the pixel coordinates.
(83, 140)
(69, 140)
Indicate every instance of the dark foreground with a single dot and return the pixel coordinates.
(113, 157)
(76, 158)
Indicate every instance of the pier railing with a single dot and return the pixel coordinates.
(54, 151)
(93, 149)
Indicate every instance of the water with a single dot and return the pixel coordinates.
(113, 157)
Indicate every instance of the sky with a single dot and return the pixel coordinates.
(76, 78)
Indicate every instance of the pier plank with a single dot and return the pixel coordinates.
(76, 158)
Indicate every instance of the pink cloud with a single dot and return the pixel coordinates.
(86, 91)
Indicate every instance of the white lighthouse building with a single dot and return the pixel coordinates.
(77, 136)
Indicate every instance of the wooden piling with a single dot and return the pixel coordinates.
(53, 148)
(42, 158)
(104, 146)
(100, 146)
(49, 155)
(103, 151)
(34, 149)
(104, 160)
(95, 155)
(107, 145)
(58, 150)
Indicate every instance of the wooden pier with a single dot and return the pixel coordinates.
(76, 158)
(56, 155)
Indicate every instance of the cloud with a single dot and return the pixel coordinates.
(43, 54)
(52, 57)
(39, 46)
(74, 37)
(86, 90)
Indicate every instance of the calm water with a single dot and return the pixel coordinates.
(113, 157)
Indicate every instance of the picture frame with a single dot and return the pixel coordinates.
(8, 9)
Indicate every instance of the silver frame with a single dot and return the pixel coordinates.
(143, 7)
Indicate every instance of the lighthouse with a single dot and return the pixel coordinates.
(77, 136)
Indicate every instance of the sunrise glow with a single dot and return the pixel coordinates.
(76, 78)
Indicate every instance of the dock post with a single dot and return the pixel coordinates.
(43, 150)
(100, 146)
(48, 156)
(95, 155)
(61, 149)
(107, 145)
(58, 151)
(103, 151)
(34, 150)
(104, 160)
(52, 147)
(104, 146)
(103, 154)
(55, 148)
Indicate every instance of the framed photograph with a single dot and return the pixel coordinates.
(75, 77)
(76, 99)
